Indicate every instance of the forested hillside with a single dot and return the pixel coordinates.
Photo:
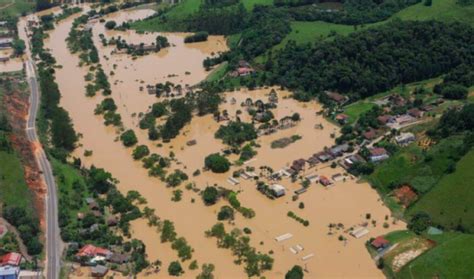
(374, 60)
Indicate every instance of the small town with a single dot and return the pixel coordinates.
(236, 139)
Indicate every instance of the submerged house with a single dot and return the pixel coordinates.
(277, 190)
(339, 150)
(324, 180)
(298, 165)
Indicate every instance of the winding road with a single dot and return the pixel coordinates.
(53, 240)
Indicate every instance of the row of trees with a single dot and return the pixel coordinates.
(255, 262)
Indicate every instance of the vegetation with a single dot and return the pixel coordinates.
(128, 138)
(217, 163)
(236, 133)
(198, 37)
(175, 269)
(298, 63)
(292, 215)
(15, 196)
(210, 195)
(255, 262)
(448, 203)
(447, 259)
(296, 272)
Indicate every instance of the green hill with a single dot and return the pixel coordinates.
(443, 10)
(450, 258)
(450, 202)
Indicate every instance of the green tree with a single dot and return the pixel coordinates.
(129, 138)
(295, 273)
(19, 47)
(140, 151)
(419, 222)
(217, 163)
(110, 24)
(206, 272)
(175, 269)
(210, 195)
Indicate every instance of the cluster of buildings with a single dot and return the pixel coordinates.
(6, 40)
(10, 265)
(96, 257)
(243, 69)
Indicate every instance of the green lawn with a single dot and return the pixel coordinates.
(451, 258)
(13, 187)
(356, 109)
(410, 165)
(16, 7)
(443, 10)
(309, 31)
(249, 4)
(398, 236)
(451, 201)
(179, 11)
(217, 73)
(184, 9)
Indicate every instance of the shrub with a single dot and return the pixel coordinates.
(110, 24)
(210, 195)
(175, 269)
(217, 163)
(128, 138)
(140, 151)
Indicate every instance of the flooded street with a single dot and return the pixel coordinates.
(347, 202)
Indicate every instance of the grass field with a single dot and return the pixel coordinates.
(451, 200)
(65, 177)
(356, 109)
(217, 73)
(410, 165)
(179, 11)
(450, 258)
(16, 7)
(443, 10)
(249, 4)
(13, 187)
(303, 32)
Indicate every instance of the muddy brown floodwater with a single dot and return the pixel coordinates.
(347, 202)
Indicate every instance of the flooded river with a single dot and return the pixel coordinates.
(347, 202)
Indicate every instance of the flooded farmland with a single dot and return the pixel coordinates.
(347, 202)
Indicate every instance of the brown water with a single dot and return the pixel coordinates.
(346, 202)
(12, 65)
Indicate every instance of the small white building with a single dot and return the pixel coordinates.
(359, 232)
(405, 138)
(277, 190)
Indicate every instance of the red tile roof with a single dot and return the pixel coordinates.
(379, 242)
(342, 116)
(377, 151)
(405, 195)
(10, 259)
(90, 250)
(324, 180)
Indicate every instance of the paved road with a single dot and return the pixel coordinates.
(53, 240)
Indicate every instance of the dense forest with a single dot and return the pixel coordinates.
(374, 60)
